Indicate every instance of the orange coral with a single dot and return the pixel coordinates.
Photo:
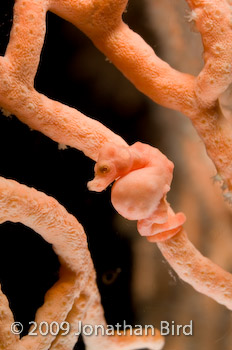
(75, 294)
(143, 176)
(139, 166)
(102, 22)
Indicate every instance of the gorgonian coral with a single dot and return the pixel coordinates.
(142, 174)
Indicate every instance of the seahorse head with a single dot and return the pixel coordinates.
(113, 161)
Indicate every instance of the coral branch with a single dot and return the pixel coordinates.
(196, 97)
(48, 218)
(76, 293)
(213, 20)
(136, 59)
(216, 133)
(151, 75)
(17, 95)
(102, 22)
(8, 340)
(23, 55)
(61, 123)
(87, 308)
(76, 315)
(141, 173)
(57, 303)
(201, 273)
(142, 198)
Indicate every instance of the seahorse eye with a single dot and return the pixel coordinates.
(104, 169)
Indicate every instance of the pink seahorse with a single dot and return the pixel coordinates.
(142, 177)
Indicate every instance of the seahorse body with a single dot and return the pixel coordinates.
(142, 177)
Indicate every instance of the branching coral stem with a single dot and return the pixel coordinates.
(213, 20)
(46, 216)
(195, 269)
(194, 96)
(172, 89)
(101, 21)
(75, 293)
(17, 94)
(157, 225)
(76, 289)
(8, 340)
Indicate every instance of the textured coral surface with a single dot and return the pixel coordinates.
(142, 174)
